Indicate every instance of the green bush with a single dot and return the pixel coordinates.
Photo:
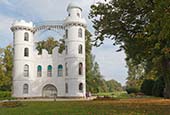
(158, 87)
(147, 86)
(5, 94)
(132, 90)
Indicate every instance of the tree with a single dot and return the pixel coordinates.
(147, 86)
(141, 29)
(49, 45)
(6, 68)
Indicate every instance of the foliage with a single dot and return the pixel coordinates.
(5, 94)
(49, 45)
(147, 86)
(141, 29)
(6, 68)
(158, 88)
(132, 90)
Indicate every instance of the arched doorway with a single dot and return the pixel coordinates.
(49, 91)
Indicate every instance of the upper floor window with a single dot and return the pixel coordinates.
(26, 70)
(80, 69)
(80, 49)
(26, 52)
(66, 33)
(66, 87)
(25, 89)
(39, 71)
(60, 71)
(80, 33)
(26, 36)
(78, 14)
(81, 87)
(49, 71)
(66, 48)
(66, 69)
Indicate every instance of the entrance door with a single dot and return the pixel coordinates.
(49, 91)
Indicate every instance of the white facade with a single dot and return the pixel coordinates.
(49, 75)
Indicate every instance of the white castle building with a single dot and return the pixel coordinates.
(49, 75)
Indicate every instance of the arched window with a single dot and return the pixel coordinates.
(26, 70)
(80, 33)
(81, 87)
(39, 71)
(66, 86)
(80, 49)
(78, 14)
(26, 36)
(60, 70)
(66, 48)
(66, 33)
(80, 69)
(26, 52)
(25, 89)
(66, 69)
(49, 71)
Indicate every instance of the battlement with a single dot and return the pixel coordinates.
(23, 23)
(45, 53)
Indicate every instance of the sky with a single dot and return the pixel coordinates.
(112, 64)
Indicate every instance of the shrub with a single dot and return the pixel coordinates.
(147, 86)
(132, 90)
(158, 87)
(5, 94)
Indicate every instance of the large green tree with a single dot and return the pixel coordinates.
(141, 28)
(6, 68)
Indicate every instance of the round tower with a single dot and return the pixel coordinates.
(23, 58)
(75, 25)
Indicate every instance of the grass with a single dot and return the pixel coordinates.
(107, 107)
(117, 95)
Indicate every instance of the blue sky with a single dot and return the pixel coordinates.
(112, 63)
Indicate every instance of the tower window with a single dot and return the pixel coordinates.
(80, 69)
(26, 36)
(25, 89)
(80, 49)
(66, 69)
(78, 14)
(66, 87)
(81, 87)
(80, 33)
(60, 71)
(26, 70)
(66, 48)
(26, 52)
(66, 33)
(39, 71)
(49, 71)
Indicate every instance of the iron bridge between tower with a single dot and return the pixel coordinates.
(49, 25)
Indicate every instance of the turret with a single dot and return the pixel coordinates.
(75, 51)
(23, 57)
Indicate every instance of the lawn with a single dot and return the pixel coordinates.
(102, 107)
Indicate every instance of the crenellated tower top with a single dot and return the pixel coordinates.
(22, 25)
